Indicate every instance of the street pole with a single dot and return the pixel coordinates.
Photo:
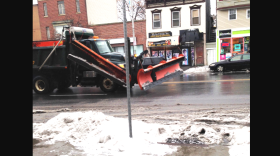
(127, 70)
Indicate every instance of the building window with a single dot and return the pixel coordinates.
(156, 17)
(248, 13)
(156, 20)
(45, 9)
(232, 14)
(195, 15)
(61, 9)
(78, 6)
(48, 33)
(175, 17)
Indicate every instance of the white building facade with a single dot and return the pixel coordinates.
(176, 27)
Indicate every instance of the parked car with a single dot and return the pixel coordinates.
(236, 62)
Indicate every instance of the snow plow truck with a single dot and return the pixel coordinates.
(81, 59)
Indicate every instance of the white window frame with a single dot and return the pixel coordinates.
(192, 24)
(78, 6)
(48, 33)
(235, 14)
(247, 14)
(61, 8)
(157, 21)
(175, 19)
(45, 10)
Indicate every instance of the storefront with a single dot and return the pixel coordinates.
(232, 41)
(163, 44)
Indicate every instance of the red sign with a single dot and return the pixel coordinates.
(225, 44)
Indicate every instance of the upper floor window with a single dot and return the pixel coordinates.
(195, 15)
(61, 9)
(248, 13)
(45, 9)
(78, 6)
(232, 15)
(156, 18)
(175, 17)
(48, 33)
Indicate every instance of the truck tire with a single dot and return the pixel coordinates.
(107, 85)
(41, 85)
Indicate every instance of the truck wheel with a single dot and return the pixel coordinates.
(41, 85)
(107, 85)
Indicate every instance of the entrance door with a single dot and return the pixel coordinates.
(210, 56)
(199, 55)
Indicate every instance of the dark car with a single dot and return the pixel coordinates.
(236, 62)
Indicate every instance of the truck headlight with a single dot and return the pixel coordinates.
(212, 64)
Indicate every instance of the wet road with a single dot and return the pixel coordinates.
(204, 88)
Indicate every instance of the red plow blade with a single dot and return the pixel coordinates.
(155, 75)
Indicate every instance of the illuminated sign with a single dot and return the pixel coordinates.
(225, 44)
(159, 43)
(160, 34)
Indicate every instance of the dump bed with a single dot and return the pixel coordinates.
(58, 60)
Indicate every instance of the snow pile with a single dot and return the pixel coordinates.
(96, 133)
(197, 69)
(99, 134)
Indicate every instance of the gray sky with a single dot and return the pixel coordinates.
(212, 3)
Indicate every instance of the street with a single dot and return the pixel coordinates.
(219, 101)
(204, 88)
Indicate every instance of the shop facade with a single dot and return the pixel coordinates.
(232, 41)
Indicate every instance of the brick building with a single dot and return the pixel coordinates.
(36, 24)
(54, 14)
(114, 32)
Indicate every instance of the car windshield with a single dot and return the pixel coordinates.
(104, 46)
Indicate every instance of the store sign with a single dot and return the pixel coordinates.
(237, 47)
(160, 34)
(225, 44)
(159, 43)
(224, 33)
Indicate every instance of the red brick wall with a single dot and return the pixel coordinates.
(115, 30)
(70, 12)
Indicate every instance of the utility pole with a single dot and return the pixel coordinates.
(127, 69)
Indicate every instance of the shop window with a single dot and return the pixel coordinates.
(225, 49)
(232, 14)
(237, 45)
(155, 53)
(161, 53)
(247, 44)
(168, 55)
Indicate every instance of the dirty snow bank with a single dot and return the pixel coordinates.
(99, 134)
(197, 69)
